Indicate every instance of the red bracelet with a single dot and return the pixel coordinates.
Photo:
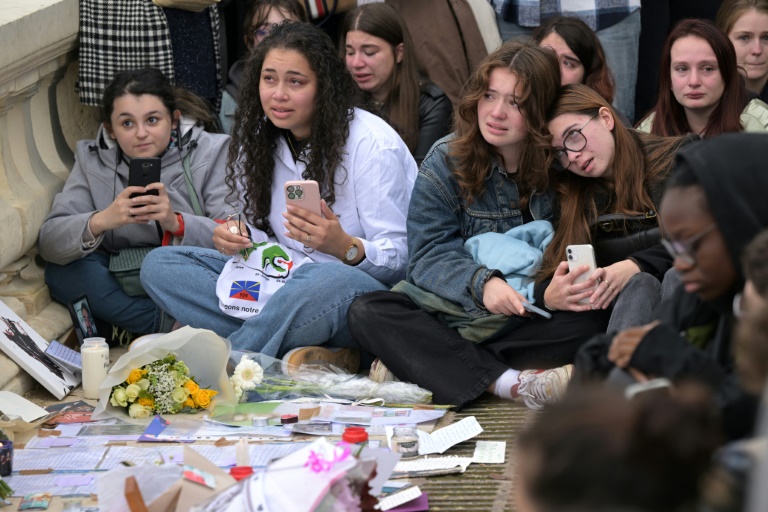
(180, 232)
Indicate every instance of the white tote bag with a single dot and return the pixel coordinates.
(247, 282)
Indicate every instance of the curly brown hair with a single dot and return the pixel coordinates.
(470, 155)
(251, 161)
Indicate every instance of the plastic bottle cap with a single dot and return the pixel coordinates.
(354, 435)
(240, 472)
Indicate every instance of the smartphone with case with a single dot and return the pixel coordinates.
(533, 309)
(577, 256)
(304, 194)
(142, 172)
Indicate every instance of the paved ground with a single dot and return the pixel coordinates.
(483, 487)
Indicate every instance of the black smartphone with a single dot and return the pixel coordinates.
(142, 172)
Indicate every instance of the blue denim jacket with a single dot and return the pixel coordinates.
(440, 221)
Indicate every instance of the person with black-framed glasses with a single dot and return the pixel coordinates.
(712, 208)
(609, 181)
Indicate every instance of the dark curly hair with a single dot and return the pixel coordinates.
(251, 160)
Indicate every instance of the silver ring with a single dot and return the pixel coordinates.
(610, 287)
(221, 250)
(607, 283)
(309, 238)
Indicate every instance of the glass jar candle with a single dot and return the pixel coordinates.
(405, 441)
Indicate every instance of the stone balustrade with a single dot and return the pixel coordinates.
(40, 121)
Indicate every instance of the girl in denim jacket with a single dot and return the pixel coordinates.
(489, 176)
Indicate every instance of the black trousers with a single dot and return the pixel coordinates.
(419, 348)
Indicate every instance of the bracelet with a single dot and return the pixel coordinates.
(547, 307)
(180, 232)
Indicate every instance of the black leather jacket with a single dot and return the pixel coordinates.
(435, 112)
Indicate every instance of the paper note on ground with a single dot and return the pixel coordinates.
(13, 405)
(440, 440)
(490, 452)
(433, 463)
(398, 499)
(52, 483)
(71, 459)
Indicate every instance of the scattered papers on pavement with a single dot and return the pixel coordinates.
(490, 452)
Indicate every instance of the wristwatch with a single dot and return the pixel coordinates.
(351, 253)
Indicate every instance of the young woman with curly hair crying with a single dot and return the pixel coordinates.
(297, 120)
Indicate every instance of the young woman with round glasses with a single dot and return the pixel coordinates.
(605, 168)
(700, 90)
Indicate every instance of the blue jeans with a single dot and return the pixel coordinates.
(620, 44)
(108, 301)
(310, 309)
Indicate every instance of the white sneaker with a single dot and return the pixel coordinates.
(538, 388)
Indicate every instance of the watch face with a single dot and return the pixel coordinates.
(351, 253)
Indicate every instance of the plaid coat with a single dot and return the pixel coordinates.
(116, 35)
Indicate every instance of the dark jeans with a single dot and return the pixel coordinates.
(419, 348)
(90, 275)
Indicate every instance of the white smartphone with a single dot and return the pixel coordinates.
(533, 309)
(304, 194)
(577, 256)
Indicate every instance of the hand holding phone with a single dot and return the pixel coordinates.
(303, 194)
(533, 309)
(577, 256)
(143, 172)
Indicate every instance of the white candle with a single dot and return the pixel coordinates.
(242, 453)
(95, 354)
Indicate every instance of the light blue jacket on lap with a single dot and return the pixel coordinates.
(517, 254)
(440, 221)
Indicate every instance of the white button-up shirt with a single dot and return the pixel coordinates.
(373, 189)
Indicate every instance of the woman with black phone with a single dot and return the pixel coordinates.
(100, 216)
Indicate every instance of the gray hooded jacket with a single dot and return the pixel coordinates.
(97, 178)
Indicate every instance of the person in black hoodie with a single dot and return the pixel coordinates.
(713, 206)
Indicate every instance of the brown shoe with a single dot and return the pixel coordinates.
(344, 358)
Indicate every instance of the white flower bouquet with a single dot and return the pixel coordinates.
(256, 377)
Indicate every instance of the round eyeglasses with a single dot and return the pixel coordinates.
(686, 249)
(574, 141)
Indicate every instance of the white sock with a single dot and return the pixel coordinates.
(505, 382)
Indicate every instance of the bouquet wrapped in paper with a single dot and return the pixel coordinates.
(165, 364)
(162, 387)
(256, 377)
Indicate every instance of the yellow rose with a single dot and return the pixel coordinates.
(189, 403)
(135, 376)
(202, 399)
(146, 402)
(191, 386)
